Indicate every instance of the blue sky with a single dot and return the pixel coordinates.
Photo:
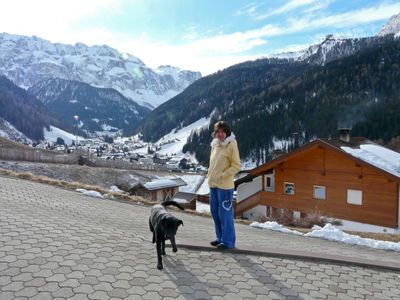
(199, 35)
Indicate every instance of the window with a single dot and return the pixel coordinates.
(319, 192)
(269, 183)
(354, 197)
(288, 188)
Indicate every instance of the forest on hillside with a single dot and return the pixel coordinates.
(361, 91)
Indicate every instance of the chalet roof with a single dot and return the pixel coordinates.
(359, 149)
(183, 197)
(159, 184)
(246, 178)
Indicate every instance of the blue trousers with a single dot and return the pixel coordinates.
(222, 212)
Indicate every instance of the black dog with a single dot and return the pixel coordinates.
(163, 225)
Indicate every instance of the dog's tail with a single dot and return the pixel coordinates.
(174, 203)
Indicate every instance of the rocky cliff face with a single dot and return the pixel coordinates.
(391, 27)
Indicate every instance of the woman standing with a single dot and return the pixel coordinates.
(224, 164)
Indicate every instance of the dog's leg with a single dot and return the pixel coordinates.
(173, 244)
(152, 230)
(163, 247)
(159, 257)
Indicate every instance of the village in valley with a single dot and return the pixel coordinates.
(130, 149)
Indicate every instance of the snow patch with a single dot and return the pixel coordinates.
(332, 233)
(114, 188)
(90, 193)
(202, 207)
(272, 225)
(107, 127)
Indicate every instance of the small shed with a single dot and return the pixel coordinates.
(158, 189)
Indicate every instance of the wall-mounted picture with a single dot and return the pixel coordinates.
(288, 188)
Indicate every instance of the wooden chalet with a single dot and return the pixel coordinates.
(347, 178)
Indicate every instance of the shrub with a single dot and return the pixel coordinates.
(315, 218)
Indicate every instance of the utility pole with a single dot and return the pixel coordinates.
(76, 132)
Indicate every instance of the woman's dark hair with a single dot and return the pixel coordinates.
(221, 125)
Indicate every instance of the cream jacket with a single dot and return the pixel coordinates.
(224, 163)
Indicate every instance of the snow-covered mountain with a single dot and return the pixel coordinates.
(334, 47)
(331, 48)
(391, 27)
(29, 60)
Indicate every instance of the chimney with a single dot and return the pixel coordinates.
(344, 134)
(278, 152)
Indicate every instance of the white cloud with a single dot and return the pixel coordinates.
(248, 9)
(48, 18)
(289, 6)
(318, 6)
(349, 19)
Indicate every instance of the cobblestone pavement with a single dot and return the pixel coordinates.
(57, 244)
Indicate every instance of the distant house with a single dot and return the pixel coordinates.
(158, 190)
(60, 148)
(173, 164)
(347, 178)
(146, 160)
(115, 153)
(160, 159)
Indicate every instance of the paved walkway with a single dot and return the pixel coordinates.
(57, 244)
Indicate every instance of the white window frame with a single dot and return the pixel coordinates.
(354, 197)
(272, 187)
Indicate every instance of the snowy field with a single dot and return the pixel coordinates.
(332, 233)
(54, 132)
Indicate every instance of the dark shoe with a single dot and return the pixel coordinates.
(215, 243)
(222, 247)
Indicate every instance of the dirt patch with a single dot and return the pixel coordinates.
(103, 177)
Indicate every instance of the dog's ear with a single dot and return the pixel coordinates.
(180, 222)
